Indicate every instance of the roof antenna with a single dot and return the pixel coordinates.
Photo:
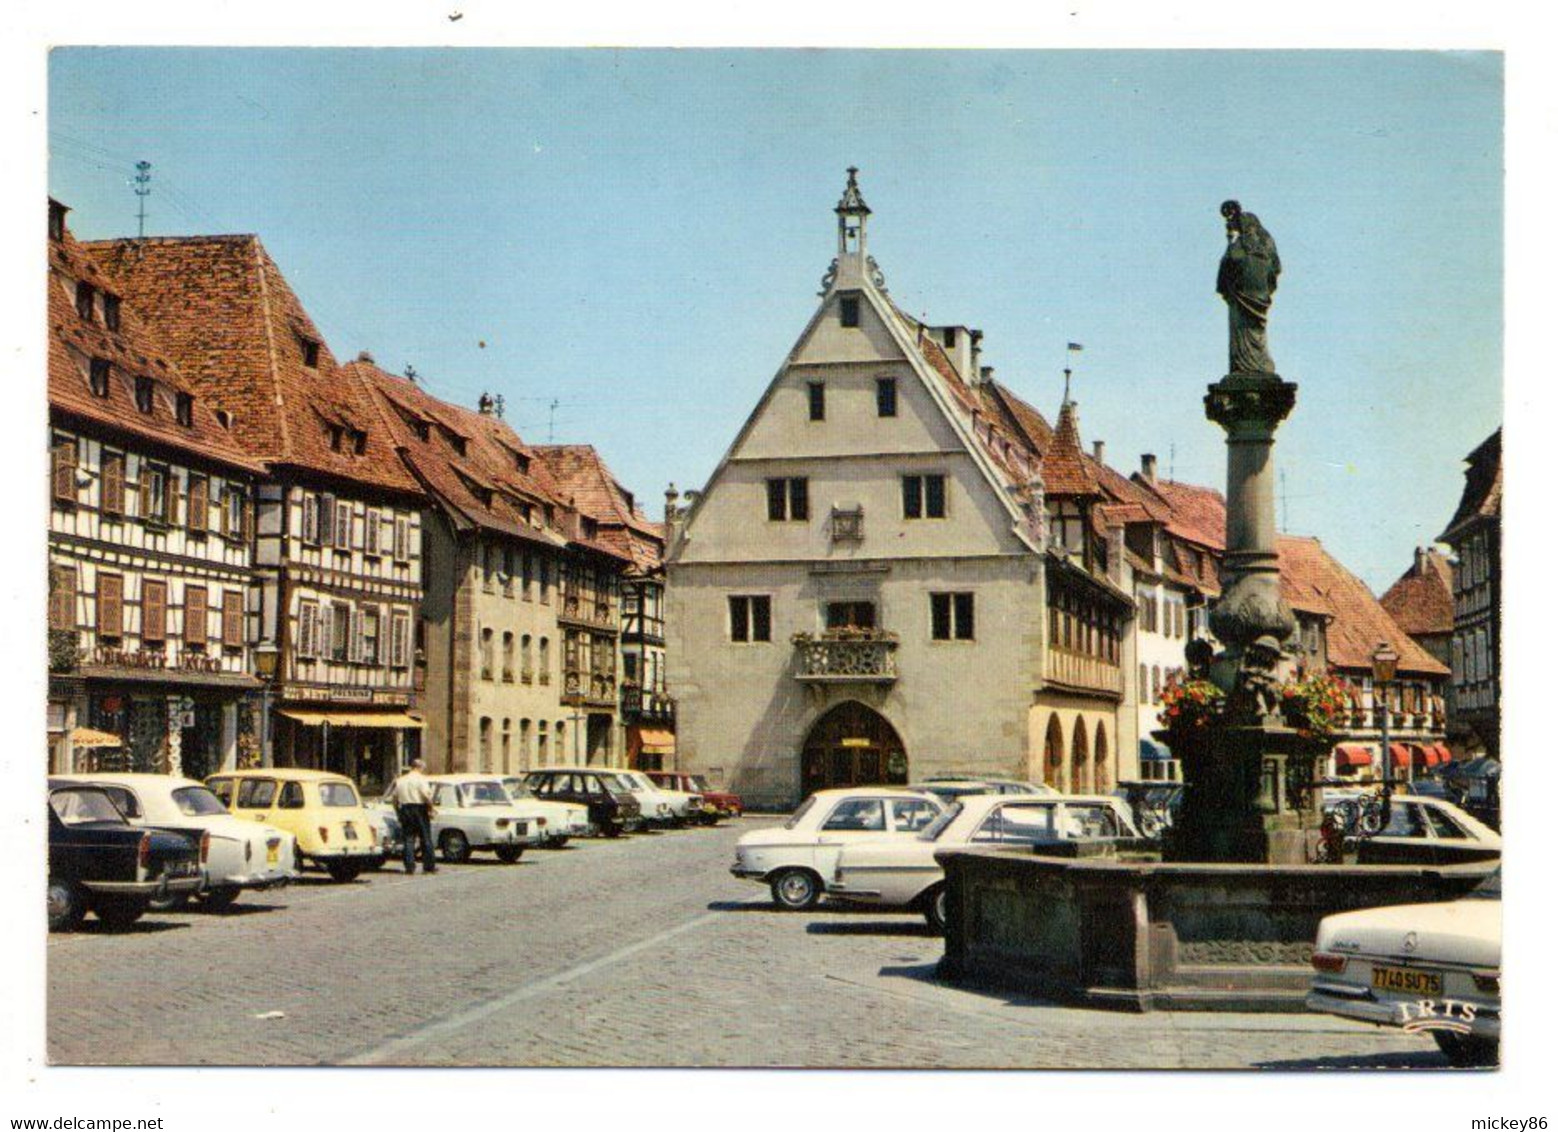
(1071, 348)
(1172, 450)
(551, 421)
(142, 190)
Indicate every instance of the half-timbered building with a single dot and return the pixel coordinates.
(151, 609)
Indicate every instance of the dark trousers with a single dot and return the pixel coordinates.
(415, 823)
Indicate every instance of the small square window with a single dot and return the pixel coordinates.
(817, 400)
(887, 396)
(849, 310)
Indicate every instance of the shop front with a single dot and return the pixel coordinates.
(369, 746)
(651, 748)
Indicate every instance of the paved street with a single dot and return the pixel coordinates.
(638, 952)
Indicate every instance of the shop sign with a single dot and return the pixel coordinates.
(140, 658)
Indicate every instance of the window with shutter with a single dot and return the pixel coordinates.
(232, 619)
(154, 612)
(110, 606)
(195, 627)
(402, 540)
(62, 598)
(113, 483)
(343, 525)
(310, 519)
(65, 471)
(340, 631)
(199, 502)
(354, 654)
(327, 520)
(308, 628)
(370, 532)
(400, 626)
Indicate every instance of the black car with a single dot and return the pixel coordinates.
(100, 863)
(611, 810)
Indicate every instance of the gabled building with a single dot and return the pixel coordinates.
(337, 541)
(1475, 536)
(614, 520)
(150, 557)
(1421, 602)
(862, 592)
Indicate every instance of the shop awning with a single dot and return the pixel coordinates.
(1400, 756)
(1354, 754)
(390, 719)
(1154, 752)
(88, 737)
(656, 741)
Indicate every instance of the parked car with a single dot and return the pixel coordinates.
(716, 803)
(320, 809)
(612, 809)
(563, 819)
(1428, 831)
(1153, 802)
(904, 873)
(241, 854)
(100, 863)
(948, 787)
(681, 806)
(473, 813)
(793, 859)
(1420, 967)
(654, 805)
(386, 827)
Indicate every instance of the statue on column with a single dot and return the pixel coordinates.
(1247, 279)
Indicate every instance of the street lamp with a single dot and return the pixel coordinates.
(266, 660)
(1384, 661)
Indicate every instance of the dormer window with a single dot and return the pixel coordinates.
(56, 220)
(184, 409)
(359, 442)
(424, 433)
(336, 434)
(310, 350)
(591, 528)
(143, 394)
(85, 293)
(224, 418)
(849, 310)
(99, 377)
(111, 311)
(522, 463)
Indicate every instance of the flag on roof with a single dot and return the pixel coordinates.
(1077, 346)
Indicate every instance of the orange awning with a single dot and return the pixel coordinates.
(1400, 756)
(390, 719)
(656, 741)
(88, 737)
(1354, 754)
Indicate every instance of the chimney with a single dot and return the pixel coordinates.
(986, 375)
(365, 356)
(484, 405)
(975, 338)
(1422, 560)
(1098, 451)
(673, 515)
(1149, 467)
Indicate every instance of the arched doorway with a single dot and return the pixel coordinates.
(1055, 754)
(852, 745)
(1103, 780)
(1079, 760)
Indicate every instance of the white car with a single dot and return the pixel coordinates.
(1429, 831)
(905, 873)
(243, 854)
(656, 805)
(1431, 968)
(685, 807)
(951, 786)
(474, 813)
(562, 820)
(792, 859)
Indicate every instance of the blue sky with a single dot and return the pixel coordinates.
(638, 235)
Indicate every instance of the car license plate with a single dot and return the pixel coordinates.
(520, 829)
(350, 831)
(1408, 981)
(272, 852)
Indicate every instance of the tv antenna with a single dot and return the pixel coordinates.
(551, 421)
(142, 190)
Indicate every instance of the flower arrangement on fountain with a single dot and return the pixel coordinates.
(1315, 706)
(1190, 707)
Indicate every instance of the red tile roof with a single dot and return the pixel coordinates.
(584, 480)
(1066, 469)
(1420, 600)
(1312, 579)
(224, 311)
(133, 352)
(1195, 513)
(1483, 495)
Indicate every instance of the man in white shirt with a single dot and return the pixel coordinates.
(412, 794)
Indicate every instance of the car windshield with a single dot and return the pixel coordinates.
(197, 802)
(76, 807)
(337, 794)
(1490, 889)
(795, 818)
(625, 782)
(943, 819)
(484, 794)
(698, 782)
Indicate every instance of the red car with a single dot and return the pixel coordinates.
(717, 803)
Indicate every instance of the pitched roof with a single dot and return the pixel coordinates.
(1066, 469)
(237, 331)
(133, 353)
(1483, 495)
(475, 465)
(584, 480)
(1420, 600)
(1195, 513)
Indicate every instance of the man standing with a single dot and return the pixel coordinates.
(413, 795)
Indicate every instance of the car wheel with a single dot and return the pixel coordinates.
(1466, 1052)
(508, 854)
(173, 902)
(454, 846)
(219, 899)
(936, 908)
(344, 871)
(119, 914)
(557, 842)
(796, 890)
(66, 906)
(611, 829)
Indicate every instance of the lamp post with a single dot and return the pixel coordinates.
(266, 658)
(1384, 661)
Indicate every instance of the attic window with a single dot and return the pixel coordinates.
(336, 435)
(99, 377)
(184, 409)
(423, 431)
(143, 394)
(224, 418)
(591, 528)
(310, 350)
(522, 462)
(359, 441)
(457, 443)
(85, 293)
(56, 220)
(849, 310)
